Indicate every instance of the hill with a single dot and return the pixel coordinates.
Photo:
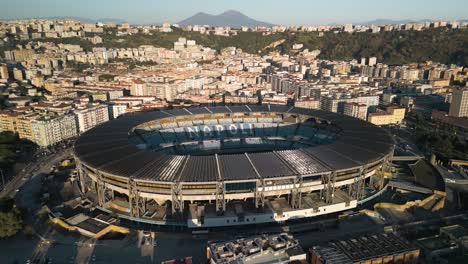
(395, 47)
(229, 18)
(382, 21)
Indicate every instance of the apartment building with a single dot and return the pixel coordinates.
(91, 116)
(337, 105)
(4, 72)
(24, 125)
(392, 115)
(459, 105)
(8, 121)
(138, 88)
(356, 110)
(308, 103)
(18, 122)
(117, 109)
(49, 130)
(233, 99)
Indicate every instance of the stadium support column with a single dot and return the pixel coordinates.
(177, 201)
(220, 190)
(259, 196)
(137, 203)
(328, 181)
(260, 185)
(100, 189)
(220, 200)
(104, 194)
(358, 187)
(386, 167)
(296, 195)
(81, 175)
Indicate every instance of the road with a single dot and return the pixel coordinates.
(42, 165)
(85, 250)
(146, 247)
(405, 142)
(40, 252)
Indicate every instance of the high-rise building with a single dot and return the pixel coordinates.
(23, 54)
(38, 80)
(4, 72)
(356, 110)
(138, 88)
(372, 61)
(459, 105)
(331, 104)
(8, 121)
(363, 61)
(91, 116)
(18, 74)
(24, 126)
(9, 56)
(50, 130)
(116, 109)
(18, 123)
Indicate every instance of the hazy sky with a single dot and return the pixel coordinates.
(285, 12)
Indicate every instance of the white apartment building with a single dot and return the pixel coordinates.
(308, 103)
(336, 105)
(369, 100)
(138, 88)
(4, 72)
(50, 130)
(91, 116)
(111, 95)
(116, 109)
(356, 110)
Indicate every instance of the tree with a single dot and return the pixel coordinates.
(7, 149)
(7, 155)
(10, 223)
(10, 144)
(106, 77)
(440, 138)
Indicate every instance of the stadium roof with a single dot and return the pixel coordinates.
(107, 148)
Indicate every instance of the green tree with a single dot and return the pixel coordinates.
(10, 223)
(7, 155)
(10, 144)
(106, 77)
(7, 149)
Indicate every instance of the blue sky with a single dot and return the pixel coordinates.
(287, 12)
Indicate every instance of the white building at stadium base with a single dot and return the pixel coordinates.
(207, 167)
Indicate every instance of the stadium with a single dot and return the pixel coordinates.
(231, 165)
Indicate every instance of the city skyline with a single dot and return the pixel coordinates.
(152, 131)
(295, 13)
